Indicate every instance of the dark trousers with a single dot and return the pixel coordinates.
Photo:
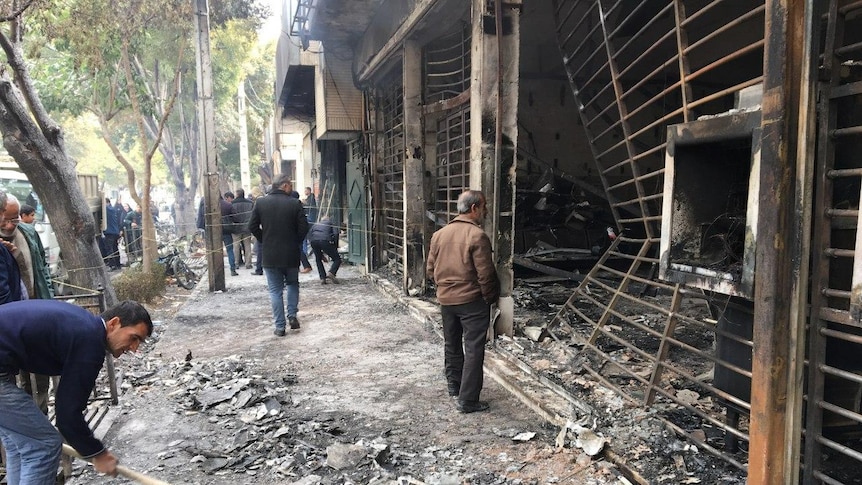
(112, 250)
(320, 247)
(465, 329)
(258, 248)
(303, 259)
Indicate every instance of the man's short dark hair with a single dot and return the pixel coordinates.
(130, 313)
(240, 193)
(26, 210)
(228, 195)
(280, 180)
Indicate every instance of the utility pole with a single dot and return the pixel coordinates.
(244, 176)
(206, 124)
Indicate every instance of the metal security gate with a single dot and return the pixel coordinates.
(453, 164)
(833, 418)
(637, 68)
(446, 66)
(390, 223)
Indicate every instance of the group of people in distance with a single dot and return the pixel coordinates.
(47, 337)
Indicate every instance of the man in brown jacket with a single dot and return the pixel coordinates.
(461, 265)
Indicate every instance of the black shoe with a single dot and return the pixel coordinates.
(279, 332)
(467, 407)
(233, 272)
(294, 323)
(259, 273)
(454, 388)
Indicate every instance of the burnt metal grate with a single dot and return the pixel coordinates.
(635, 69)
(453, 164)
(447, 66)
(391, 174)
(833, 418)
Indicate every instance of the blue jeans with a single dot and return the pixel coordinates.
(276, 280)
(32, 444)
(227, 239)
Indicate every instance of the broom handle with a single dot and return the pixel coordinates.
(126, 472)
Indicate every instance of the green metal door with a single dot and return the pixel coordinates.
(357, 213)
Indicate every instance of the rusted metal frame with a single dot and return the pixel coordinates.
(658, 148)
(684, 68)
(581, 286)
(844, 173)
(840, 316)
(661, 94)
(647, 26)
(558, 5)
(776, 319)
(653, 283)
(705, 446)
(617, 145)
(587, 39)
(618, 90)
(447, 104)
(641, 219)
(580, 315)
(834, 371)
(716, 422)
(711, 358)
(845, 90)
(643, 260)
(702, 11)
(647, 357)
(619, 292)
(721, 30)
(846, 413)
(610, 385)
(844, 336)
(835, 293)
(850, 7)
(826, 479)
(847, 49)
(639, 240)
(659, 121)
(852, 213)
(585, 62)
(574, 29)
(655, 196)
(726, 59)
(652, 74)
(588, 103)
(725, 92)
(612, 124)
(840, 253)
(835, 315)
(850, 452)
(849, 131)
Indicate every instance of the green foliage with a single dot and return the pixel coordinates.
(136, 285)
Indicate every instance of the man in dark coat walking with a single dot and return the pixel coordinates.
(278, 221)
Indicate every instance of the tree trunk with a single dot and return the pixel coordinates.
(36, 143)
(40, 152)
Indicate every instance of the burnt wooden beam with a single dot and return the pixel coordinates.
(543, 268)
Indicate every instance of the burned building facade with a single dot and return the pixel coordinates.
(696, 160)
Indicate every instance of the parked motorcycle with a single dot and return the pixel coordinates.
(175, 266)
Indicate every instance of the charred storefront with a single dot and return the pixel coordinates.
(685, 173)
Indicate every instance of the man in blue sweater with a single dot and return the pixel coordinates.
(57, 338)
